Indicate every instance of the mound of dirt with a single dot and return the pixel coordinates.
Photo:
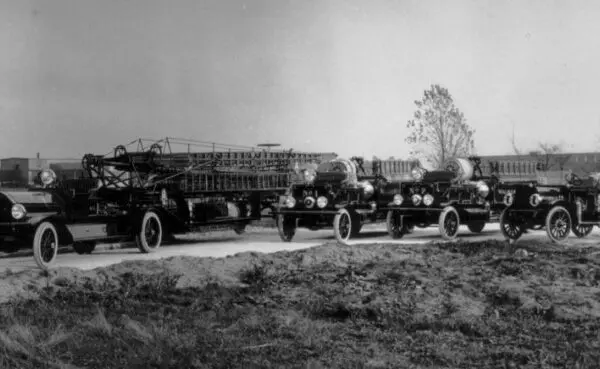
(193, 271)
(437, 305)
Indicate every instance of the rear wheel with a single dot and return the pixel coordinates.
(86, 247)
(286, 226)
(45, 245)
(394, 224)
(511, 229)
(558, 224)
(448, 223)
(476, 227)
(582, 230)
(149, 237)
(342, 226)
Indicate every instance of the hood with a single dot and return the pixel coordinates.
(34, 201)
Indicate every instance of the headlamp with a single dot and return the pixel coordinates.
(18, 211)
(290, 201)
(47, 176)
(322, 202)
(398, 199)
(483, 189)
(428, 200)
(416, 173)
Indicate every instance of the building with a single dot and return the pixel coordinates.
(21, 171)
(68, 170)
(536, 164)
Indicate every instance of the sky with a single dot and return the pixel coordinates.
(82, 76)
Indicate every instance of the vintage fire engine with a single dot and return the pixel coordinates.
(570, 206)
(148, 194)
(459, 194)
(340, 195)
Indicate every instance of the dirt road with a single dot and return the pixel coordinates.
(265, 240)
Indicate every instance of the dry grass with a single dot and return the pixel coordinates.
(446, 306)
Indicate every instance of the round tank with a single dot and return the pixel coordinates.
(462, 168)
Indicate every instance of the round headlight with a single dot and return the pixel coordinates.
(290, 201)
(322, 202)
(535, 199)
(18, 211)
(428, 200)
(309, 202)
(483, 189)
(398, 199)
(368, 189)
(508, 199)
(417, 174)
(47, 176)
(416, 199)
(309, 176)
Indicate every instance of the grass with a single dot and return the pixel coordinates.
(450, 306)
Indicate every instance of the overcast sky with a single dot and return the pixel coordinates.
(80, 76)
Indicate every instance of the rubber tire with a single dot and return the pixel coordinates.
(518, 232)
(286, 226)
(83, 248)
(341, 214)
(551, 213)
(476, 227)
(445, 213)
(140, 240)
(394, 232)
(587, 229)
(37, 251)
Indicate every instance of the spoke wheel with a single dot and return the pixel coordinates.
(449, 223)
(476, 227)
(84, 247)
(582, 230)
(511, 229)
(45, 245)
(394, 224)
(149, 237)
(558, 224)
(286, 226)
(342, 226)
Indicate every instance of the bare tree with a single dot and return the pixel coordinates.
(439, 130)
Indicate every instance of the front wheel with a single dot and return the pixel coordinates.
(342, 226)
(394, 225)
(286, 226)
(582, 230)
(558, 224)
(511, 229)
(45, 245)
(448, 223)
(149, 237)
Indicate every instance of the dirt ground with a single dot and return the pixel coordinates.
(438, 305)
